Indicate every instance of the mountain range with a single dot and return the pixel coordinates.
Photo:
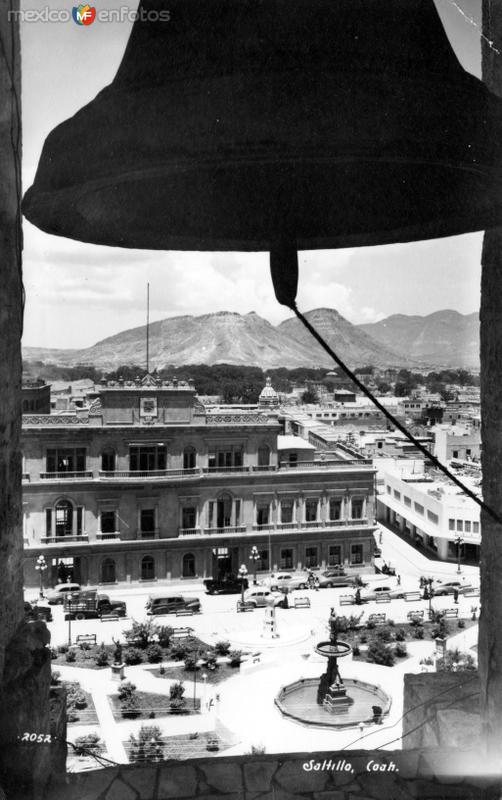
(445, 338)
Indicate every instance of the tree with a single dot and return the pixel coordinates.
(148, 746)
(141, 633)
(309, 397)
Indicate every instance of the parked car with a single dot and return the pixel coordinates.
(331, 577)
(441, 589)
(289, 580)
(56, 596)
(33, 611)
(90, 605)
(259, 596)
(373, 592)
(170, 604)
(229, 584)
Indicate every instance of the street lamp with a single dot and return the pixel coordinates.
(204, 678)
(254, 556)
(243, 571)
(41, 566)
(459, 542)
(430, 594)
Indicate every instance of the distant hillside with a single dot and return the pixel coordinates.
(445, 338)
(353, 345)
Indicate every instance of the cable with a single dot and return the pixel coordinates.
(292, 305)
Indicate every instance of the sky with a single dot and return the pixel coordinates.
(78, 294)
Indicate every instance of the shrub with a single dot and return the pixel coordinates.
(181, 649)
(235, 658)
(384, 635)
(133, 656)
(416, 622)
(162, 670)
(141, 634)
(177, 702)
(379, 653)
(148, 746)
(371, 625)
(101, 658)
(62, 648)
(130, 707)
(400, 635)
(54, 652)
(71, 656)
(164, 633)
(258, 750)
(222, 648)
(85, 646)
(400, 650)
(456, 661)
(354, 621)
(55, 678)
(418, 633)
(126, 689)
(390, 623)
(210, 659)
(461, 623)
(151, 715)
(154, 654)
(356, 651)
(80, 700)
(191, 661)
(88, 744)
(363, 638)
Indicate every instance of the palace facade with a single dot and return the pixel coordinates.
(148, 484)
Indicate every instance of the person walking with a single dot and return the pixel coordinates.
(399, 580)
(455, 596)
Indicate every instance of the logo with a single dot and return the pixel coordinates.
(83, 14)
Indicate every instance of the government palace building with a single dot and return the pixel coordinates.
(148, 484)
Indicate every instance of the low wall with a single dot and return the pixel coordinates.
(349, 775)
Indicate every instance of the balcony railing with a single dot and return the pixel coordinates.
(148, 534)
(206, 470)
(102, 536)
(225, 531)
(337, 464)
(64, 476)
(83, 537)
(266, 527)
(190, 531)
(150, 474)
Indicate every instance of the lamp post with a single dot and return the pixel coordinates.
(204, 678)
(243, 571)
(430, 594)
(41, 566)
(459, 542)
(254, 556)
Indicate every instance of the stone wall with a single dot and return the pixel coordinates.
(348, 775)
(441, 708)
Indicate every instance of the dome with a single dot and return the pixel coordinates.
(268, 395)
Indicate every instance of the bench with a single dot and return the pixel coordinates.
(450, 613)
(245, 606)
(302, 602)
(377, 619)
(181, 633)
(411, 597)
(347, 600)
(86, 638)
(383, 598)
(256, 658)
(184, 612)
(415, 615)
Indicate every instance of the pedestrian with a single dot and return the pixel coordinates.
(311, 580)
(316, 583)
(455, 596)
(399, 580)
(380, 538)
(358, 597)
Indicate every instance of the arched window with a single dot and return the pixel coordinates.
(189, 458)
(64, 518)
(147, 568)
(108, 571)
(263, 455)
(108, 460)
(188, 567)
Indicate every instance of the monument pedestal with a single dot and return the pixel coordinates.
(118, 672)
(269, 623)
(336, 700)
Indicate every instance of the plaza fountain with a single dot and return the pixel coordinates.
(329, 701)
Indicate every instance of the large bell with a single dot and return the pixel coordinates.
(238, 124)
